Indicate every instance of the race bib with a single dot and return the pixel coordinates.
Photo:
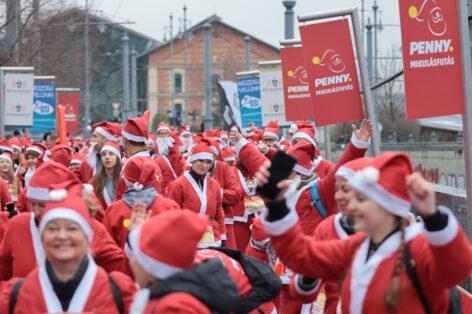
(253, 204)
(208, 237)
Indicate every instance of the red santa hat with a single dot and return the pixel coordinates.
(215, 148)
(48, 174)
(5, 146)
(153, 244)
(59, 153)
(212, 134)
(37, 149)
(163, 127)
(306, 132)
(304, 153)
(349, 169)
(7, 156)
(139, 173)
(272, 129)
(15, 143)
(135, 130)
(228, 154)
(112, 147)
(66, 201)
(184, 129)
(77, 159)
(201, 151)
(382, 179)
(111, 131)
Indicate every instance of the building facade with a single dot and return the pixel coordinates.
(167, 90)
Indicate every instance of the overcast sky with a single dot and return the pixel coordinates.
(260, 18)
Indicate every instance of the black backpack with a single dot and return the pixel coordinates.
(455, 303)
(117, 296)
(266, 285)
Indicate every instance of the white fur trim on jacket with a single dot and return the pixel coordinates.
(239, 145)
(359, 143)
(279, 227)
(446, 235)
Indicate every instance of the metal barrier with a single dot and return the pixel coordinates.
(456, 200)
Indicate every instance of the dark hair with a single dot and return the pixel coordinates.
(134, 143)
(100, 178)
(45, 135)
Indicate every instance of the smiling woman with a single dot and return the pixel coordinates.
(67, 279)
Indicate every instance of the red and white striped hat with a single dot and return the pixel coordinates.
(382, 179)
(136, 130)
(112, 147)
(153, 244)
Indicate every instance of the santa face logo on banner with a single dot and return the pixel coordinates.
(431, 58)
(295, 83)
(332, 74)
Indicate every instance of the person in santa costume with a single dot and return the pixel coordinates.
(34, 155)
(7, 174)
(377, 265)
(67, 278)
(21, 250)
(101, 132)
(169, 158)
(104, 182)
(60, 154)
(231, 190)
(135, 135)
(334, 227)
(140, 178)
(227, 154)
(199, 192)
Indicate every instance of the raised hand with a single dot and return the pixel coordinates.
(139, 214)
(364, 132)
(422, 194)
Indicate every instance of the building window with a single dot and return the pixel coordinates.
(177, 83)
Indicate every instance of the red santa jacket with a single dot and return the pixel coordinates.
(171, 166)
(21, 248)
(93, 295)
(306, 209)
(178, 302)
(3, 223)
(118, 214)
(363, 290)
(232, 191)
(328, 229)
(5, 197)
(205, 201)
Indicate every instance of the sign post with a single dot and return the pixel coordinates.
(359, 46)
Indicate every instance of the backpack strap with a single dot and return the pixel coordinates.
(14, 295)
(117, 295)
(316, 199)
(413, 275)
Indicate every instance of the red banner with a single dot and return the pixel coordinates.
(70, 100)
(329, 58)
(431, 58)
(296, 87)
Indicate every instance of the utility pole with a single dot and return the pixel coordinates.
(87, 69)
(171, 63)
(247, 43)
(185, 106)
(289, 18)
(375, 8)
(134, 81)
(126, 107)
(370, 66)
(208, 122)
(12, 27)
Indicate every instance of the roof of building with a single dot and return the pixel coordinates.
(213, 19)
(448, 123)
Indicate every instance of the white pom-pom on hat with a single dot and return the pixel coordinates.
(57, 195)
(48, 153)
(370, 175)
(89, 128)
(137, 186)
(87, 189)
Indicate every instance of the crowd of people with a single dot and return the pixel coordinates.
(170, 221)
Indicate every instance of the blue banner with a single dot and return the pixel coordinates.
(250, 100)
(44, 111)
